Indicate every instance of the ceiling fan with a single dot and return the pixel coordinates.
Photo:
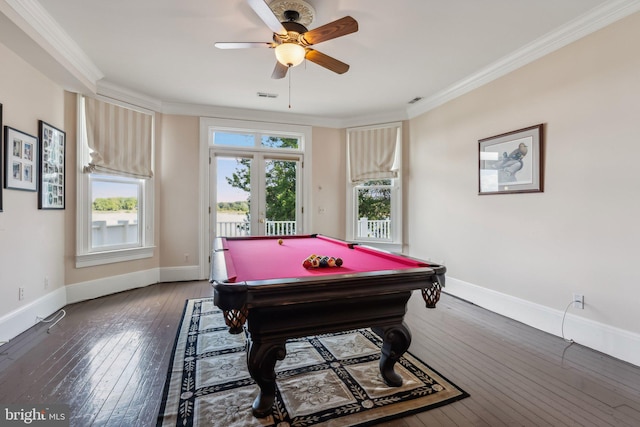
(291, 39)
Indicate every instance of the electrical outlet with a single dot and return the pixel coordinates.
(46, 282)
(578, 301)
(20, 294)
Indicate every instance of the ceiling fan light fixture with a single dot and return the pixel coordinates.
(290, 54)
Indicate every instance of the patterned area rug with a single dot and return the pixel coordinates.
(325, 380)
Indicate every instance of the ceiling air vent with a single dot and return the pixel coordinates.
(416, 99)
(267, 95)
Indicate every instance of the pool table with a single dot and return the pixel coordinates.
(262, 280)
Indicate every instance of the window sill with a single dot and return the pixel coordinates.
(380, 244)
(109, 257)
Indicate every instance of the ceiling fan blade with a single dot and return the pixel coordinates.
(341, 27)
(327, 61)
(279, 71)
(266, 14)
(242, 45)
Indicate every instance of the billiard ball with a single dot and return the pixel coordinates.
(280, 241)
(338, 262)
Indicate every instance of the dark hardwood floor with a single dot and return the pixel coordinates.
(108, 360)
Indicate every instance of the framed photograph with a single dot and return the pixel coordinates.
(511, 162)
(20, 160)
(51, 192)
(1, 157)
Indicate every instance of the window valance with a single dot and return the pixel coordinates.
(373, 153)
(119, 139)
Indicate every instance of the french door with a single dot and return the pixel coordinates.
(255, 193)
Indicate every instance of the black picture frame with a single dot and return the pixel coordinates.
(20, 160)
(51, 167)
(512, 162)
(1, 161)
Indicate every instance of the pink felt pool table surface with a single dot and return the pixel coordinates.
(263, 258)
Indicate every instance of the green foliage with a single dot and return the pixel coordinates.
(281, 190)
(233, 206)
(374, 203)
(280, 181)
(113, 204)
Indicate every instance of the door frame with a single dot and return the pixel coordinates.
(207, 126)
(258, 191)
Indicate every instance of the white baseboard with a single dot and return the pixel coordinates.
(20, 320)
(82, 291)
(180, 274)
(619, 343)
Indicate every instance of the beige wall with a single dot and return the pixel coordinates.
(581, 234)
(31, 240)
(328, 182)
(178, 150)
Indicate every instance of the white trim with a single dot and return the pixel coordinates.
(203, 200)
(82, 291)
(592, 21)
(18, 321)
(239, 114)
(180, 274)
(616, 342)
(208, 123)
(119, 95)
(109, 257)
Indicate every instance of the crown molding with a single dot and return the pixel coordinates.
(36, 22)
(122, 94)
(580, 27)
(47, 33)
(247, 114)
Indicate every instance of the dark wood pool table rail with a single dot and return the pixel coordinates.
(291, 307)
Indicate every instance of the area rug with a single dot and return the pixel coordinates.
(325, 380)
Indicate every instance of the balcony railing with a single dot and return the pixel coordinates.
(374, 229)
(378, 229)
(242, 228)
(127, 232)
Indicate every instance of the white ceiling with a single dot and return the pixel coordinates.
(435, 49)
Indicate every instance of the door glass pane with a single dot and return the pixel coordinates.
(279, 142)
(115, 216)
(234, 139)
(281, 200)
(374, 210)
(233, 177)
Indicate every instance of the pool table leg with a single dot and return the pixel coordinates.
(396, 341)
(261, 361)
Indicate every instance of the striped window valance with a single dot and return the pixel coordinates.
(119, 139)
(373, 153)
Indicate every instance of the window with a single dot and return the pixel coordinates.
(239, 206)
(115, 213)
(257, 175)
(115, 185)
(374, 204)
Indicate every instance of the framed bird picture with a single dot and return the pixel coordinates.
(511, 162)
